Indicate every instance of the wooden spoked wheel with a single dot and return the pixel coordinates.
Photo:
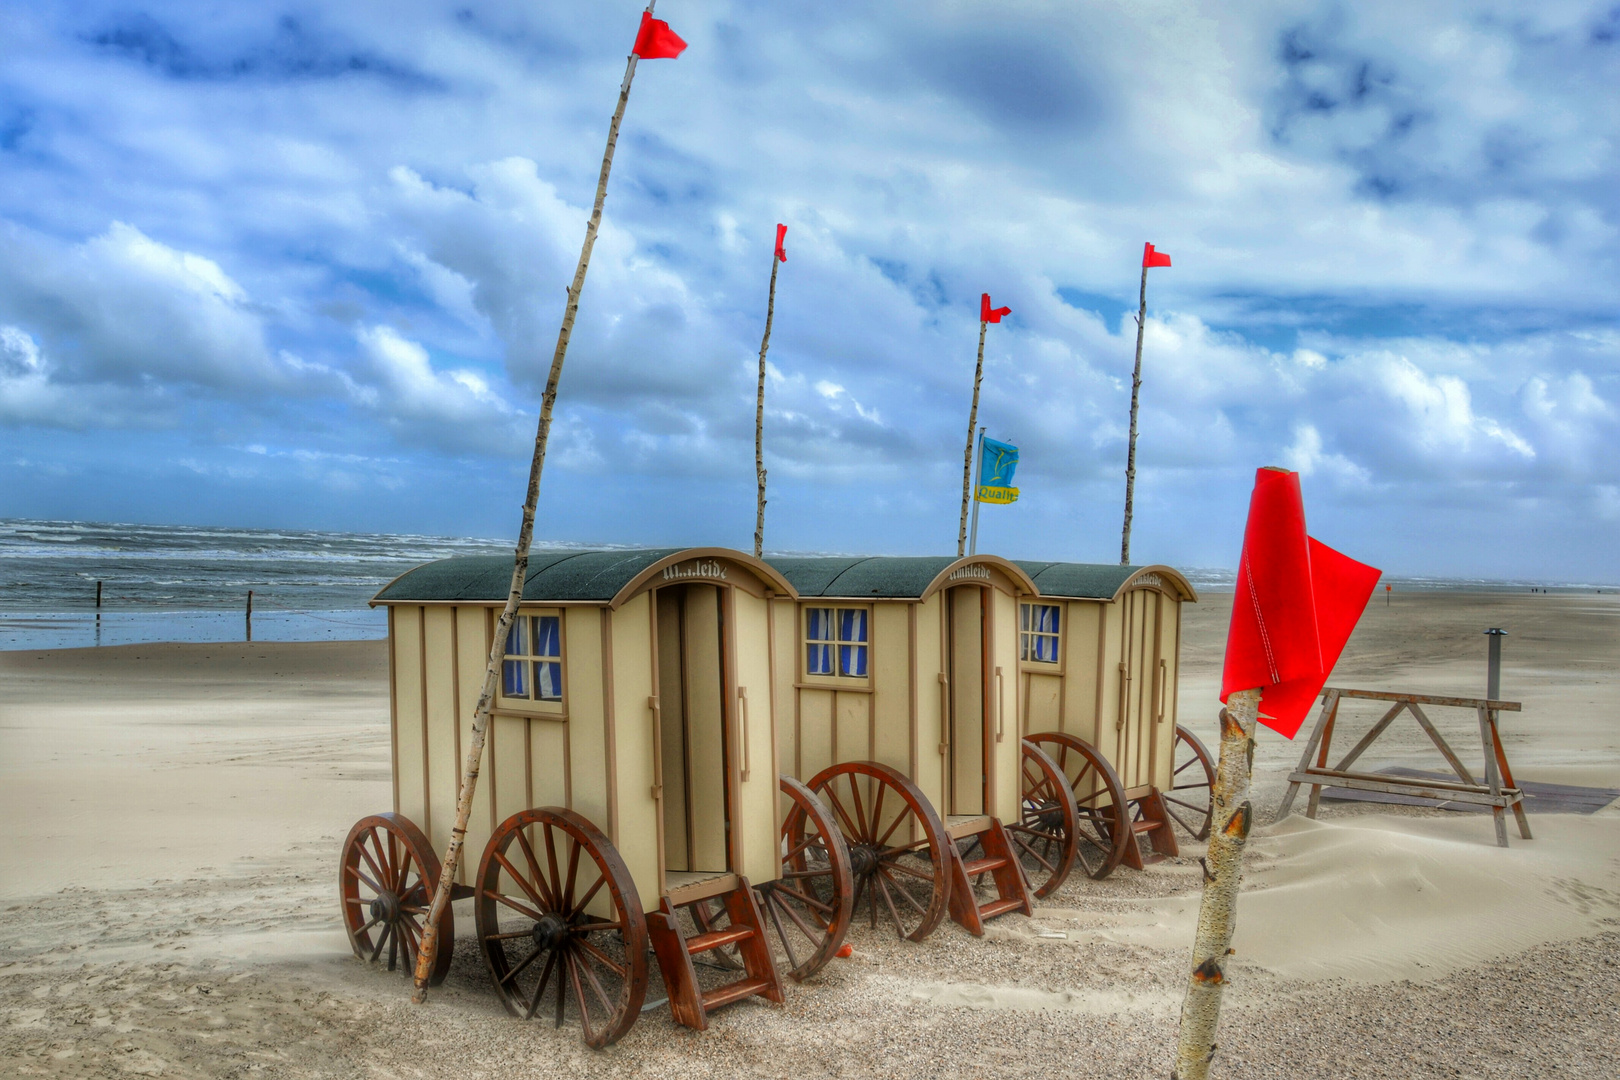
(560, 923)
(1188, 800)
(1102, 816)
(1045, 836)
(808, 909)
(896, 842)
(386, 882)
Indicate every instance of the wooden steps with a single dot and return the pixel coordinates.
(997, 860)
(1149, 819)
(689, 1003)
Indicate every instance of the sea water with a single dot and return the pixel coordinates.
(190, 583)
(185, 583)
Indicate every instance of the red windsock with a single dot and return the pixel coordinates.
(656, 41)
(1296, 602)
(781, 235)
(1150, 257)
(988, 315)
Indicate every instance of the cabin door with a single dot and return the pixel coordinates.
(1139, 685)
(966, 608)
(692, 699)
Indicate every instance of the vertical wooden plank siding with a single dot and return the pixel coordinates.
(439, 709)
(472, 653)
(778, 808)
(599, 749)
(914, 749)
(891, 686)
(1006, 759)
(629, 743)
(410, 770)
(757, 802)
(393, 709)
(785, 695)
(817, 749)
(422, 715)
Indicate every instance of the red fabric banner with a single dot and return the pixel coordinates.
(656, 41)
(986, 314)
(1297, 600)
(781, 235)
(1152, 257)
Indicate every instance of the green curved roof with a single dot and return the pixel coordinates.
(553, 575)
(884, 576)
(1091, 581)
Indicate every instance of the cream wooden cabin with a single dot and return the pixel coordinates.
(632, 734)
(613, 649)
(1099, 658)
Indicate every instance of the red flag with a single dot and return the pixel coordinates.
(1296, 602)
(985, 312)
(1150, 257)
(781, 235)
(656, 41)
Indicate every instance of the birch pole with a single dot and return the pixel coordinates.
(1223, 873)
(520, 564)
(967, 454)
(759, 416)
(1130, 452)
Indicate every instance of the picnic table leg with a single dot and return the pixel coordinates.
(1330, 706)
(1493, 778)
(1507, 778)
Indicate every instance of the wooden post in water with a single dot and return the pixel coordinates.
(1223, 873)
(250, 615)
(520, 564)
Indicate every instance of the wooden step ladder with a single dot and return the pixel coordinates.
(1149, 819)
(689, 1003)
(996, 858)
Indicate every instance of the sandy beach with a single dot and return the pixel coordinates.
(174, 812)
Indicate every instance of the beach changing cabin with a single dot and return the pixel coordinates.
(693, 751)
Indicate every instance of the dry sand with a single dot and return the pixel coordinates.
(173, 813)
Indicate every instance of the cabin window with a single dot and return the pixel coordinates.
(836, 641)
(1038, 632)
(532, 669)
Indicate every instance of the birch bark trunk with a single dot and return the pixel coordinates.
(967, 454)
(1223, 873)
(1130, 451)
(759, 416)
(520, 564)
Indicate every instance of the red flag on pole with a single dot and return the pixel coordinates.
(988, 315)
(1152, 257)
(781, 235)
(1296, 602)
(656, 41)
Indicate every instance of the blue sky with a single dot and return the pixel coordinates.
(302, 265)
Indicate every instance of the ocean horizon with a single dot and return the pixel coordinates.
(190, 583)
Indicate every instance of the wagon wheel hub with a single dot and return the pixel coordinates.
(549, 932)
(385, 908)
(1048, 817)
(863, 860)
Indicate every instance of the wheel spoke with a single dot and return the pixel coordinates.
(518, 970)
(382, 939)
(522, 882)
(771, 904)
(566, 900)
(540, 987)
(551, 864)
(911, 870)
(905, 894)
(514, 905)
(860, 813)
(848, 823)
(889, 902)
(900, 817)
(589, 896)
(813, 933)
(806, 900)
(375, 869)
(603, 958)
(545, 899)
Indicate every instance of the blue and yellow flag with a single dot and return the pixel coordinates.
(997, 460)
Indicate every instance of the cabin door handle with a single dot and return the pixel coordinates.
(944, 714)
(742, 722)
(1001, 712)
(658, 747)
(1159, 691)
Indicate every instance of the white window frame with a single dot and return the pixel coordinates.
(531, 659)
(1029, 636)
(836, 644)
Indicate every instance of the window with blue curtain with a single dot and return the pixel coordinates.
(1039, 632)
(532, 668)
(835, 641)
